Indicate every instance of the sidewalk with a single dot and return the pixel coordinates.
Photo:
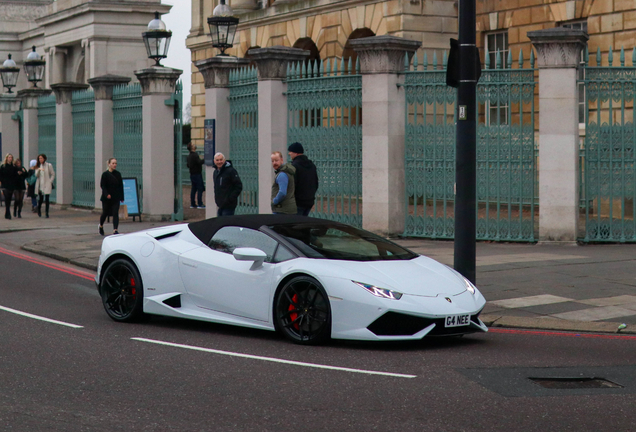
(578, 288)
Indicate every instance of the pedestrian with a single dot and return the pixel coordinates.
(44, 184)
(31, 179)
(283, 200)
(306, 179)
(8, 176)
(20, 187)
(195, 164)
(112, 195)
(227, 186)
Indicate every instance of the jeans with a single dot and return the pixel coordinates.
(303, 211)
(225, 212)
(197, 189)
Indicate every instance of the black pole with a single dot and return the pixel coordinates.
(465, 176)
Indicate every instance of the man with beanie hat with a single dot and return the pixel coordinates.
(306, 179)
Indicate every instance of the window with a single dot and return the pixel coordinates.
(579, 25)
(229, 238)
(497, 43)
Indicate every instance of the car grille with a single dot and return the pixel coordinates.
(399, 324)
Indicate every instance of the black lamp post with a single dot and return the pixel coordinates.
(34, 67)
(9, 73)
(157, 39)
(223, 27)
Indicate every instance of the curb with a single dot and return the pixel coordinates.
(493, 320)
(61, 258)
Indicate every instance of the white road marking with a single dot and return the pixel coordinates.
(37, 317)
(274, 360)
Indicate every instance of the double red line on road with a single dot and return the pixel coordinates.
(71, 271)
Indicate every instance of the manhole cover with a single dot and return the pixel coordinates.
(575, 383)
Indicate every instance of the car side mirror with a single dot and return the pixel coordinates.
(250, 254)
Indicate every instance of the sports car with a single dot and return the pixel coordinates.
(310, 279)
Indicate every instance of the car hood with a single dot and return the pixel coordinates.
(420, 276)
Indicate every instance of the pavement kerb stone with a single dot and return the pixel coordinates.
(494, 320)
(58, 257)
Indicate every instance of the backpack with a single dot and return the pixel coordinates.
(32, 179)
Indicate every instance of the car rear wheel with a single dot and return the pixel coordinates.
(122, 291)
(302, 311)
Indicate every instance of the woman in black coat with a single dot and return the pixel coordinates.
(112, 194)
(20, 186)
(8, 176)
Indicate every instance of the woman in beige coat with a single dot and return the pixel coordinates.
(44, 184)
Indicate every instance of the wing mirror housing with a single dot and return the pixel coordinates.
(250, 254)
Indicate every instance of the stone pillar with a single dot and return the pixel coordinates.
(157, 86)
(216, 77)
(383, 104)
(558, 56)
(104, 126)
(30, 128)
(9, 104)
(271, 64)
(64, 140)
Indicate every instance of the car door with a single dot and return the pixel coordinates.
(217, 281)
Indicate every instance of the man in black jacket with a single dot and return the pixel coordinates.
(195, 164)
(227, 186)
(306, 179)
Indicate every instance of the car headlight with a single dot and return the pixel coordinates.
(380, 292)
(469, 286)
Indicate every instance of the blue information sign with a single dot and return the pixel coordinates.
(209, 141)
(131, 197)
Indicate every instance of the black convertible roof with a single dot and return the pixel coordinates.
(205, 230)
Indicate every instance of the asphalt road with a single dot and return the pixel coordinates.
(177, 375)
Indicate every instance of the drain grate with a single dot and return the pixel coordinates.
(575, 383)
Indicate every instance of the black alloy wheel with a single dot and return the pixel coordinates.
(302, 311)
(122, 291)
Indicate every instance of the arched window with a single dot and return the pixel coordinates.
(308, 45)
(349, 52)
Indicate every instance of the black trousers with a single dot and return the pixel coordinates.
(18, 196)
(7, 201)
(45, 199)
(110, 208)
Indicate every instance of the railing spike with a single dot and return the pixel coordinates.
(586, 56)
(520, 59)
(598, 56)
(487, 60)
(610, 56)
(342, 66)
(358, 66)
(622, 56)
(350, 67)
(531, 58)
(509, 61)
(424, 61)
(406, 63)
(634, 57)
(498, 60)
(303, 70)
(434, 60)
(334, 67)
(415, 62)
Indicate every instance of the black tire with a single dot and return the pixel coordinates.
(122, 291)
(302, 311)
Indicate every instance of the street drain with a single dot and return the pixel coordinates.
(575, 383)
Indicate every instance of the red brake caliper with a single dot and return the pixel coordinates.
(132, 284)
(293, 315)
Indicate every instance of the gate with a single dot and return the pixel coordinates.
(46, 132)
(324, 103)
(244, 135)
(608, 162)
(127, 133)
(506, 168)
(83, 109)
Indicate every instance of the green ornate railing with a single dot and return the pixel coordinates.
(608, 194)
(83, 108)
(506, 157)
(244, 135)
(127, 132)
(46, 132)
(324, 102)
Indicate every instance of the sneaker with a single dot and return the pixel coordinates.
(115, 232)
(201, 207)
(101, 230)
(193, 206)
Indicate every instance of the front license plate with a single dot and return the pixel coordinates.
(457, 320)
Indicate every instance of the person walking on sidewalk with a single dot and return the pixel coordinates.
(44, 184)
(112, 195)
(227, 186)
(283, 201)
(306, 179)
(20, 186)
(8, 174)
(195, 164)
(31, 179)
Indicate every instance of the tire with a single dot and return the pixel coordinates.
(302, 312)
(122, 291)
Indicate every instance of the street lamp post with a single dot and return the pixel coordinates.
(223, 25)
(9, 73)
(157, 39)
(34, 67)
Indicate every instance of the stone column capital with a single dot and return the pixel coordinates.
(383, 54)
(30, 97)
(158, 80)
(216, 70)
(103, 85)
(63, 91)
(9, 103)
(558, 47)
(271, 62)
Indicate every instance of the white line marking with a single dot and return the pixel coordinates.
(28, 315)
(275, 360)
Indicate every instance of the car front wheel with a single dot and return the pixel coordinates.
(122, 291)
(302, 311)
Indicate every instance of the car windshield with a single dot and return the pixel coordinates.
(341, 242)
